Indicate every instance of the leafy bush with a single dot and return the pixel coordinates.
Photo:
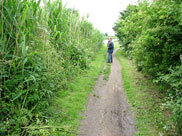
(174, 82)
(151, 33)
(41, 49)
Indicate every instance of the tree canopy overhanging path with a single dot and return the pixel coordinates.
(108, 111)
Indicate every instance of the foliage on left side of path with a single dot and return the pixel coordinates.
(68, 104)
(41, 49)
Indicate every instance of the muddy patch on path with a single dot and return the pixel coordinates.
(108, 112)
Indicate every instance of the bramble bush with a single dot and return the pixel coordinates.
(173, 81)
(41, 49)
(151, 34)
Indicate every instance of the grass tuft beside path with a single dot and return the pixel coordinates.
(143, 95)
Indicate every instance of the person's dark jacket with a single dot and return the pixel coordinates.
(111, 47)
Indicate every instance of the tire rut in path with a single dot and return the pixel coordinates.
(108, 112)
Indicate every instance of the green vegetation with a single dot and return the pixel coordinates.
(150, 33)
(107, 71)
(106, 34)
(68, 104)
(152, 119)
(42, 49)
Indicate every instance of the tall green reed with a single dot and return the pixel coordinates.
(41, 49)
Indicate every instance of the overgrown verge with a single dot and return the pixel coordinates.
(42, 48)
(71, 102)
(150, 33)
(152, 119)
(67, 105)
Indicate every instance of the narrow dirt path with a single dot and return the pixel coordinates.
(108, 112)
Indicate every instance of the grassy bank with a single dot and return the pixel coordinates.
(143, 95)
(68, 104)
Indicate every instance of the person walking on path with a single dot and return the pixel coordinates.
(110, 47)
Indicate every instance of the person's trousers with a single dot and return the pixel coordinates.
(109, 57)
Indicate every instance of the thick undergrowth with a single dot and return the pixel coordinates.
(150, 33)
(42, 48)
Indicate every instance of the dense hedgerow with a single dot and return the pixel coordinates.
(151, 33)
(41, 49)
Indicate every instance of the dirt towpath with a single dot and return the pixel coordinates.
(108, 112)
